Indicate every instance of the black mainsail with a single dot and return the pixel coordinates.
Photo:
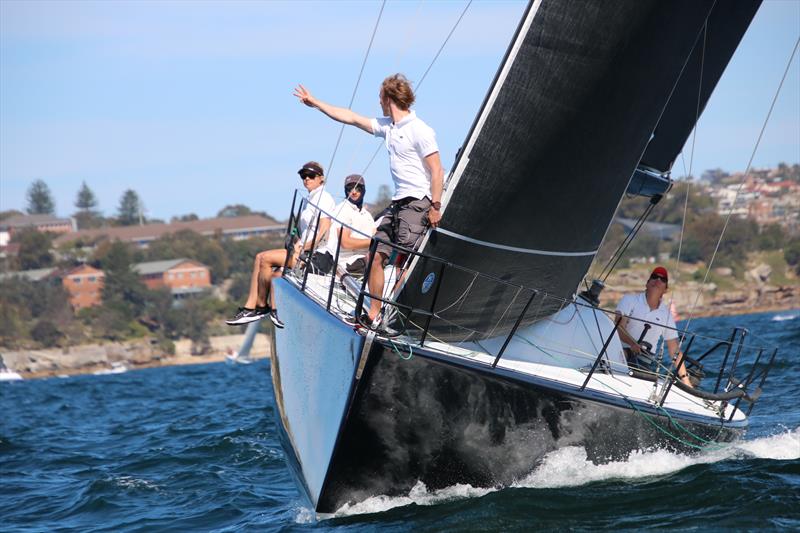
(586, 89)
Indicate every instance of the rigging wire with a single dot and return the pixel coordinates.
(341, 130)
(744, 178)
(395, 65)
(424, 75)
(358, 81)
(691, 156)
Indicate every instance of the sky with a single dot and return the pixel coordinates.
(190, 103)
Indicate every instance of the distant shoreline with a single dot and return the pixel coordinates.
(84, 359)
(133, 355)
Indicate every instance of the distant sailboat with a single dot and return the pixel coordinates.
(496, 361)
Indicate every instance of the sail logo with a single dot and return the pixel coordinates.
(427, 283)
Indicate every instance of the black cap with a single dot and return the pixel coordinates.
(311, 168)
(354, 179)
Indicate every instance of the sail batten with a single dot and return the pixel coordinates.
(553, 149)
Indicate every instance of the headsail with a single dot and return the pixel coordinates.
(572, 109)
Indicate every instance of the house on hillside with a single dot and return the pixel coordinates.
(37, 274)
(84, 283)
(183, 277)
(38, 222)
(236, 228)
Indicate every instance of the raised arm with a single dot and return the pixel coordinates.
(339, 114)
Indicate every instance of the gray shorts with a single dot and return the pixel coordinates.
(404, 223)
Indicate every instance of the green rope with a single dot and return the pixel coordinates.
(399, 353)
(708, 444)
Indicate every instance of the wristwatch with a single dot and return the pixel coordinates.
(436, 205)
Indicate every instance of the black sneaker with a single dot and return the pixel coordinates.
(363, 321)
(245, 316)
(273, 315)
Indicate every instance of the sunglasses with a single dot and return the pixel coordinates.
(359, 187)
(309, 177)
(661, 278)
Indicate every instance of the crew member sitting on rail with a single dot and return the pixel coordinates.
(349, 215)
(646, 313)
(269, 263)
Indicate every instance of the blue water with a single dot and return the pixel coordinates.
(195, 449)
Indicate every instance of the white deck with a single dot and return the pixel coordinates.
(560, 349)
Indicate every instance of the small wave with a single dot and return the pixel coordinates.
(784, 446)
(782, 318)
(132, 483)
(570, 467)
(419, 494)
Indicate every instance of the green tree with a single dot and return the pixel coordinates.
(86, 202)
(187, 243)
(23, 302)
(791, 252)
(239, 288)
(703, 232)
(186, 218)
(237, 210)
(46, 333)
(771, 237)
(123, 292)
(240, 210)
(130, 209)
(40, 200)
(10, 213)
(34, 249)
(382, 200)
(196, 315)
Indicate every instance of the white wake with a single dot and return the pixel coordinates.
(570, 467)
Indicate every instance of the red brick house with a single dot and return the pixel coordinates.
(84, 284)
(182, 276)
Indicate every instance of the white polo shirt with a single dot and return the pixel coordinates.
(408, 142)
(349, 214)
(308, 216)
(635, 306)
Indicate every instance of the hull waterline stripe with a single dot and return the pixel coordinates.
(512, 248)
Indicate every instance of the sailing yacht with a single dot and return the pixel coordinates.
(494, 356)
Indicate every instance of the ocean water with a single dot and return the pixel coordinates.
(195, 449)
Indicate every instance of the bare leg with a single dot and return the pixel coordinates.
(269, 260)
(278, 273)
(253, 295)
(375, 284)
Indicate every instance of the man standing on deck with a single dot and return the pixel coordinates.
(647, 309)
(415, 166)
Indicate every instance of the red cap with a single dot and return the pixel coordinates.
(660, 271)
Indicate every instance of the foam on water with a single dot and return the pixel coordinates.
(419, 495)
(569, 467)
(781, 318)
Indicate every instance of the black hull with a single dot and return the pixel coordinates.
(442, 423)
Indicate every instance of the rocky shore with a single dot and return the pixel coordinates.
(110, 357)
(690, 297)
